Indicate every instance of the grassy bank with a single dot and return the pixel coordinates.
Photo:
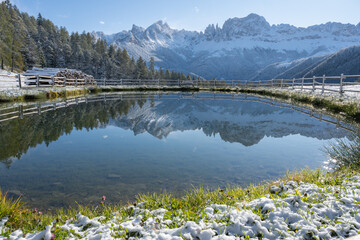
(348, 108)
(193, 206)
(29, 95)
(190, 207)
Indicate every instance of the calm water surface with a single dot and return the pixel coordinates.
(120, 148)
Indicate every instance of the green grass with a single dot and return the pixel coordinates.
(189, 207)
(346, 153)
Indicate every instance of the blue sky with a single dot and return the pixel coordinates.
(113, 16)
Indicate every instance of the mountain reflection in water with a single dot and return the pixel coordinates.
(142, 143)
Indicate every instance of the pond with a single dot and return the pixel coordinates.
(119, 145)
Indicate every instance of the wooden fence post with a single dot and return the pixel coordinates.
(323, 84)
(179, 82)
(21, 115)
(39, 109)
(293, 82)
(104, 81)
(313, 88)
(37, 81)
(302, 83)
(52, 81)
(281, 83)
(272, 83)
(76, 82)
(64, 81)
(19, 78)
(245, 83)
(341, 83)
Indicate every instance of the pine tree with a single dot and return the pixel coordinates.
(141, 70)
(167, 74)
(26, 41)
(152, 68)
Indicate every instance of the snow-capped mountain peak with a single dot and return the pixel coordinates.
(159, 26)
(251, 25)
(237, 50)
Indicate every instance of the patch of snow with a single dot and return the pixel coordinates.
(350, 92)
(297, 211)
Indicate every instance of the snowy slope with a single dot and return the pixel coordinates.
(344, 61)
(237, 50)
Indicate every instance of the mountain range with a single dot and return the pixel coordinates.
(245, 122)
(246, 48)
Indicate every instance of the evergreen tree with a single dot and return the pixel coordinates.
(167, 74)
(26, 41)
(152, 68)
(141, 70)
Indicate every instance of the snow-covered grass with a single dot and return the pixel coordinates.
(302, 205)
(349, 91)
(348, 107)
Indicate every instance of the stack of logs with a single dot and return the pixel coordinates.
(72, 75)
(57, 76)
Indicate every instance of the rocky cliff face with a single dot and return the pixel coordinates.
(238, 50)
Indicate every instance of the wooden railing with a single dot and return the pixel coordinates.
(19, 81)
(321, 84)
(340, 84)
(21, 111)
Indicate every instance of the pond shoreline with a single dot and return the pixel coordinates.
(335, 104)
(303, 203)
(181, 128)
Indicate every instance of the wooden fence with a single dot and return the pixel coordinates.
(19, 81)
(321, 84)
(339, 84)
(22, 111)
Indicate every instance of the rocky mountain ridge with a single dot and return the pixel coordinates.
(239, 49)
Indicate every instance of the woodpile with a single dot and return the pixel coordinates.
(58, 77)
(74, 74)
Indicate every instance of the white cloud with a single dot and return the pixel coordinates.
(196, 9)
(105, 136)
(102, 22)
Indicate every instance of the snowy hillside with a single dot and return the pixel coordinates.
(344, 61)
(238, 49)
(235, 121)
